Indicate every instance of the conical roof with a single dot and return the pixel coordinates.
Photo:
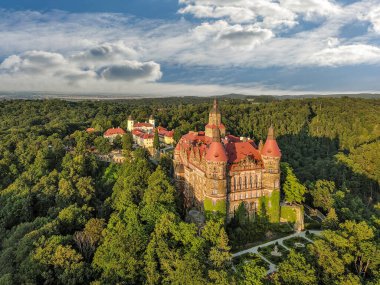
(216, 152)
(271, 147)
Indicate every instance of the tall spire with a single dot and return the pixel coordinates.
(271, 133)
(271, 147)
(215, 104)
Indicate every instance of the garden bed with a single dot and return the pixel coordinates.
(291, 244)
(266, 252)
(247, 257)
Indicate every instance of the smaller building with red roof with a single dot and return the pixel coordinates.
(112, 133)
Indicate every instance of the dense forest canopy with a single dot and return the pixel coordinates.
(68, 218)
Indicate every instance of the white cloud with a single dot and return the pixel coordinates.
(235, 14)
(102, 51)
(132, 71)
(373, 16)
(347, 55)
(81, 67)
(312, 9)
(236, 36)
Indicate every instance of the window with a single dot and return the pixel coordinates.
(214, 191)
(235, 183)
(250, 180)
(240, 183)
(245, 181)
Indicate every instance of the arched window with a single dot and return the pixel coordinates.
(245, 181)
(240, 183)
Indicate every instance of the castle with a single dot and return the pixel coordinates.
(216, 172)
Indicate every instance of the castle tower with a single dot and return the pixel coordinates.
(152, 121)
(271, 155)
(216, 177)
(130, 123)
(215, 127)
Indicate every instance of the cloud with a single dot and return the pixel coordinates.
(103, 51)
(234, 14)
(32, 62)
(347, 55)
(132, 71)
(312, 9)
(106, 52)
(80, 67)
(373, 16)
(235, 36)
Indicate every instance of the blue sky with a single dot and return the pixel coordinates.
(190, 47)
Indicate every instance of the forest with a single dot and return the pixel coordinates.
(68, 218)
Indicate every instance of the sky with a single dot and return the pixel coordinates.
(190, 47)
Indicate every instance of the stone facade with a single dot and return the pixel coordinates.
(218, 172)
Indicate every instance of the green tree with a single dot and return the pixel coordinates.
(127, 141)
(331, 221)
(295, 270)
(156, 140)
(119, 256)
(102, 145)
(118, 142)
(250, 273)
(293, 189)
(158, 198)
(322, 194)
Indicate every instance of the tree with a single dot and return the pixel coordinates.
(88, 239)
(156, 140)
(174, 254)
(127, 141)
(102, 145)
(118, 142)
(331, 221)
(119, 256)
(352, 248)
(296, 271)
(322, 194)
(293, 189)
(158, 198)
(62, 263)
(250, 273)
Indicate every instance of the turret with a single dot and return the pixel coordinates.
(215, 122)
(152, 121)
(130, 123)
(216, 177)
(271, 156)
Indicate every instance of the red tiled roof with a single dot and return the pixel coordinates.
(142, 134)
(90, 130)
(140, 125)
(216, 152)
(164, 132)
(239, 150)
(114, 131)
(271, 148)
